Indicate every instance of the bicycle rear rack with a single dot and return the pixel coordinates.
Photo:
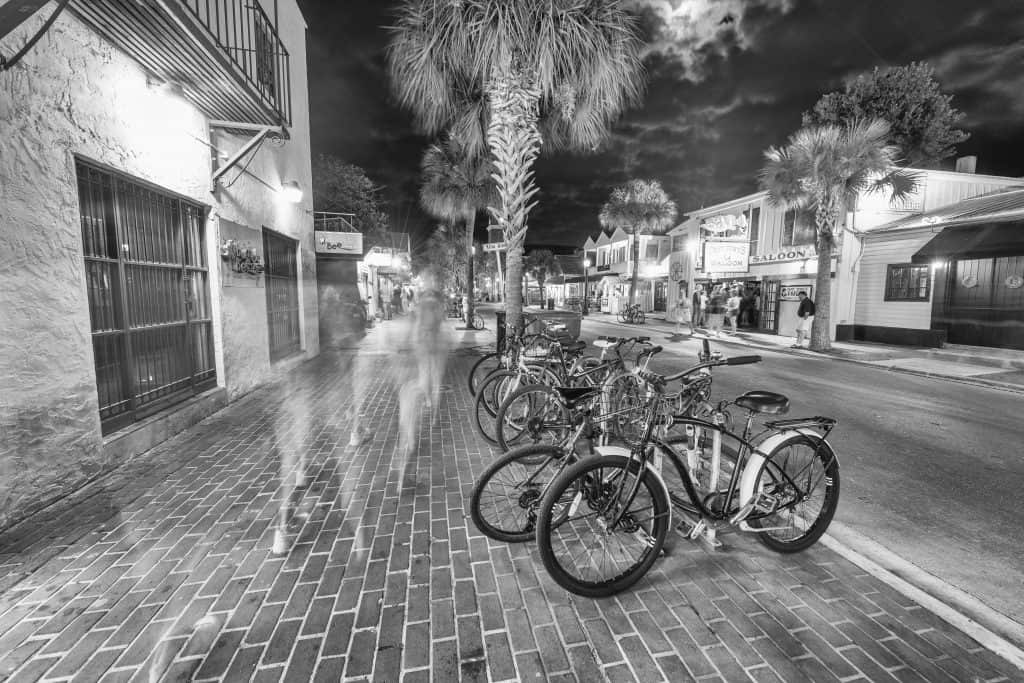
(826, 423)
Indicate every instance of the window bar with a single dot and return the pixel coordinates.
(121, 298)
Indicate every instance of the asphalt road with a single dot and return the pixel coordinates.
(931, 469)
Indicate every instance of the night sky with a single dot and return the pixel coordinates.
(718, 94)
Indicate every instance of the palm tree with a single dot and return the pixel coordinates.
(823, 169)
(540, 263)
(509, 75)
(640, 207)
(457, 184)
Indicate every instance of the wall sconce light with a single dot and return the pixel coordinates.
(938, 264)
(291, 192)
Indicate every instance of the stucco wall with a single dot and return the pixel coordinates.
(75, 94)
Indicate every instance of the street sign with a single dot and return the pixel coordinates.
(495, 246)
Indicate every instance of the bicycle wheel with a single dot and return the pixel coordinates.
(489, 396)
(505, 497)
(532, 414)
(621, 317)
(579, 550)
(622, 408)
(483, 367)
(801, 479)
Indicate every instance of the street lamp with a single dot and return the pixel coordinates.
(586, 281)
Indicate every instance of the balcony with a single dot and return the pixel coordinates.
(225, 54)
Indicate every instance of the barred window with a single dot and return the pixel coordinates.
(907, 282)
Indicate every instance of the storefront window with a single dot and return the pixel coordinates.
(797, 230)
(907, 282)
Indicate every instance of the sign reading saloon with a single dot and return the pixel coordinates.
(348, 243)
(726, 257)
(807, 251)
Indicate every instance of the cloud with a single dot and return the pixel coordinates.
(987, 79)
(690, 31)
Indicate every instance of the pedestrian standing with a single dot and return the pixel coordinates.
(699, 304)
(716, 310)
(732, 309)
(683, 307)
(806, 314)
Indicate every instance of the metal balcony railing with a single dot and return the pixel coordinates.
(329, 221)
(245, 32)
(226, 55)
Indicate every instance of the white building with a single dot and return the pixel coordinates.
(770, 253)
(611, 259)
(155, 225)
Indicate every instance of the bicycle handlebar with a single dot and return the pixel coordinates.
(742, 360)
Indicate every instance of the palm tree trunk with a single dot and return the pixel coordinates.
(514, 139)
(470, 225)
(514, 286)
(821, 337)
(636, 269)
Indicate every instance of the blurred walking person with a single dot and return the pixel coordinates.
(429, 354)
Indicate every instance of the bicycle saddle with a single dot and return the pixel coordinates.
(573, 395)
(764, 402)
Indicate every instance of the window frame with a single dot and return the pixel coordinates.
(906, 291)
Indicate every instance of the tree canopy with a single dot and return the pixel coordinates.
(345, 188)
(922, 120)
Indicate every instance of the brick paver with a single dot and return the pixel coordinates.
(166, 570)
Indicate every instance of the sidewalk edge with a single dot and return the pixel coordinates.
(993, 630)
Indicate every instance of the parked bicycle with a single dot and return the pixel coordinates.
(505, 498)
(782, 484)
(631, 314)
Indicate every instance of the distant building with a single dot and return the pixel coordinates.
(885, 282)
(155, 226)
(611, 268)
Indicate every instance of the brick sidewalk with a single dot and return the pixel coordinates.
(164, 570)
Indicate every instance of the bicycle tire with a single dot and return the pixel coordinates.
(621, 316)
(533, 412)
(504, 502)
(488, 398)
(597, 482)
(770, 481)
(482, 368)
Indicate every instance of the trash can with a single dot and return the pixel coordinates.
(500, 327)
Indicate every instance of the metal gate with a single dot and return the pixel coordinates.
(282, 294)
(768, 318)
(149, 295)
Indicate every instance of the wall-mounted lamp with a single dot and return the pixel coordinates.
(938, 264)
(291, 192)
(586, 263)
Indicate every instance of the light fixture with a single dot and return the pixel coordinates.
(291, 192)
(586, 263)
(938, 263)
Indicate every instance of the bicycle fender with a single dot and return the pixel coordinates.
(626, 453)
(748, 481)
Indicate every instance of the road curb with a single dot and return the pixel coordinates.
(993, 630)
(988, 384)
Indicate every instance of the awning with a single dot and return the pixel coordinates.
(984, 240)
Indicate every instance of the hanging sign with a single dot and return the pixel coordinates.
(328, 242)
(792, 292)
(495, 246)
(726, 257)
(726, 227)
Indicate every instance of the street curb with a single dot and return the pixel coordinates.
(993, 630)
(988, 384)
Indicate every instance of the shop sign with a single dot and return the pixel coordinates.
(495, 246)
(726, 227)
(791, 254)
(792, 292)
(726, 257)
(338, 242)
(604, 267)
